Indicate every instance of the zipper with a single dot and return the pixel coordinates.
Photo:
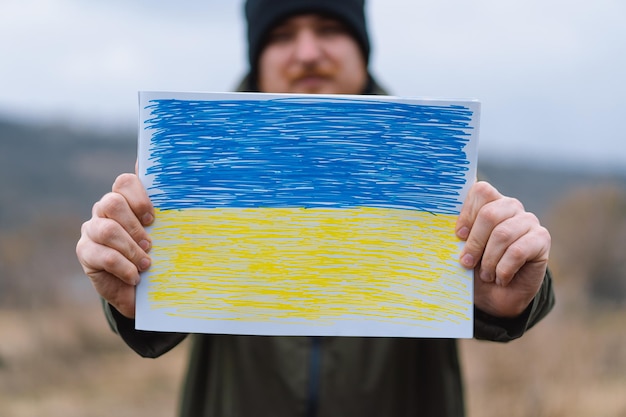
(315, 359)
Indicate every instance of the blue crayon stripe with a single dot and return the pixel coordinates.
(299, 152)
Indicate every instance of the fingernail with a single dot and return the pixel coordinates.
(144, 264)
(145, 245)
(463, 232)
(498, 282)
(147, 219)
(467, 260)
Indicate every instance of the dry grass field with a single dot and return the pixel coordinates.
(66, 362)
(568, 366)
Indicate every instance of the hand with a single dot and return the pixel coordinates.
(113, 247)
(507, 248)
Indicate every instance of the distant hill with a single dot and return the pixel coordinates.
(539, 187)
(48, 169)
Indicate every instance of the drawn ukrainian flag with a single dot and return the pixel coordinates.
(317, 215)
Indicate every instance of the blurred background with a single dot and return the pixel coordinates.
(549, 75)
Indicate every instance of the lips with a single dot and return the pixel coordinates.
(310, 83)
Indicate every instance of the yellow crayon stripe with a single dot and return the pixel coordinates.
(294, 264)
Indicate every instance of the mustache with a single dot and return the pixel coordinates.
(311, 72)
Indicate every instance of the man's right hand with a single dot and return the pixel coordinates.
(114, 245)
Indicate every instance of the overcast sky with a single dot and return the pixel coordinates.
(550, 74)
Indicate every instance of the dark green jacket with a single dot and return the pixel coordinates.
(325, 376)
(236, 376)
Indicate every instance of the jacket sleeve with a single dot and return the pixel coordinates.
(487, 327)
(145, 343)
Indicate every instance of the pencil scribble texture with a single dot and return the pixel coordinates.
(326, 211)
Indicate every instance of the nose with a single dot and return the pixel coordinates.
(308, 47)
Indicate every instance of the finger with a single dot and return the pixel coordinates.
(486, 221)
(117, 293)
(501, 301)
(129, 186)
(96, 258)
(106, 246)
(115, 207)
(531, 250)
(479, 194)
(502, 236)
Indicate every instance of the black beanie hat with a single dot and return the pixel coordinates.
(263, 15)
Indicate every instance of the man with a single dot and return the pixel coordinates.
(322, 46)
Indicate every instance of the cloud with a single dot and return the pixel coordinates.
(87, 60)
(549, 74)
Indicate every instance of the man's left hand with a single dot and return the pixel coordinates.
(506, 246)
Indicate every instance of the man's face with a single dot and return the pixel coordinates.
(311, 54)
